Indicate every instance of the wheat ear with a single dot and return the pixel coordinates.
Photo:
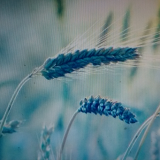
(102, 106)
(66, 134)
(67, 63)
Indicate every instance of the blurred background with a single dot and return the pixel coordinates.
(31, 31)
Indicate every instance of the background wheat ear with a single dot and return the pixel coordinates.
(45, 148)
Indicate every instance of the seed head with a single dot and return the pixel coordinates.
(106, 107)
(67, 63)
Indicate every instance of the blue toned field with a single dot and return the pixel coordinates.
(60, 51)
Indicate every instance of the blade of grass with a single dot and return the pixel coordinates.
(142, 127)
(146, 131)
(66, 134)
(10, 104)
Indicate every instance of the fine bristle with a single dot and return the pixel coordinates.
(67, 63)
(106, 107)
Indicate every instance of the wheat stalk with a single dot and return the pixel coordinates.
(147, 130)
(139, 131)
(147, 123)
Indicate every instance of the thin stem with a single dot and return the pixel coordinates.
(146, 131)
(10, 104)
(66, 134)
(12, 101)
(144, 125)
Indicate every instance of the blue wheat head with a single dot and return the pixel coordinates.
(67, 63)
(106, 107)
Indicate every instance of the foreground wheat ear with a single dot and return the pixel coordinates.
(67, 63)
(102, 106)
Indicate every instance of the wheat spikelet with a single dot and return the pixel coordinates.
(67, 63)
(106, 107)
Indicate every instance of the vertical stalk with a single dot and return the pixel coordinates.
(10, 104)
(142, 127)
(66, 134)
